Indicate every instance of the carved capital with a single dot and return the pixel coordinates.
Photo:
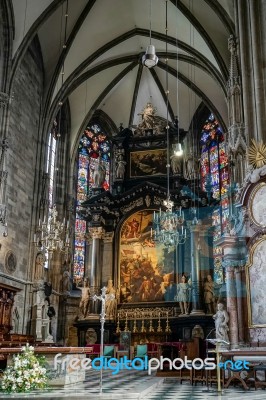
(96, 232)
(108, 237)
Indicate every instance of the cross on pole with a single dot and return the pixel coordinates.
(103, 297)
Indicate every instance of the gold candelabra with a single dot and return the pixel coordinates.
(135, 329)
(118, 330)
(151, 329)
(143, 329)
(159, 328)
(167, 328)
(126, 325)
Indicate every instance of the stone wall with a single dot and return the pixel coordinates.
(22, 164)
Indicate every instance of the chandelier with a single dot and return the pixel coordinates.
(169, 227)
(53, 235)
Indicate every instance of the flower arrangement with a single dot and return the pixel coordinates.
(27, 372)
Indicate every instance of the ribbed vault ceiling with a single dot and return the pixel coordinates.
(105, 41)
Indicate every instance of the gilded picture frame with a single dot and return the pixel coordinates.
(256, 282)
(148, 163)
(257, 205)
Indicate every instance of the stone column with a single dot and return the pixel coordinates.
(258, 66)
(107, 270)
(195, 271)
(239, 293)
(96, 234)
(232, 305)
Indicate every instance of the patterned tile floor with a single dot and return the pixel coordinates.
(138, 385)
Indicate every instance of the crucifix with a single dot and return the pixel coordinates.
(103, 297)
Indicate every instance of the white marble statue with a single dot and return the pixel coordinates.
(221, 323)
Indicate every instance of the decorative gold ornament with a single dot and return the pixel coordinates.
(167, 328)
(135, 329)
(126, 325)
(151, 329)
(118, 330)
(159, 328)
(257, 154)
(143, 329)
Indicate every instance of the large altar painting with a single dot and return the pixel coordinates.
(146, 270)
(256, 283)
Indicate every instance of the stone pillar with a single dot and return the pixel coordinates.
(195, 271)
(37, 311)
(258, 66)
(244, 36)
(239, 293)
(232, 305)
(96, 234)
(107, 270)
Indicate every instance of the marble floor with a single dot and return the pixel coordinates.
(138, 385)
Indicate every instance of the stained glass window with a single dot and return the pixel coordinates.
(94, 148)
(50, 164)
(214, 161)
(50, 169)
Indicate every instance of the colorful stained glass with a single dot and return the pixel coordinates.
(225, 213)
(214, 160)
(94, 147)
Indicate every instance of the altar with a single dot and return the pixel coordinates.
(61, 370)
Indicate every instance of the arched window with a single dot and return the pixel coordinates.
(214, 160)
(94, 147)
(51, 161)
